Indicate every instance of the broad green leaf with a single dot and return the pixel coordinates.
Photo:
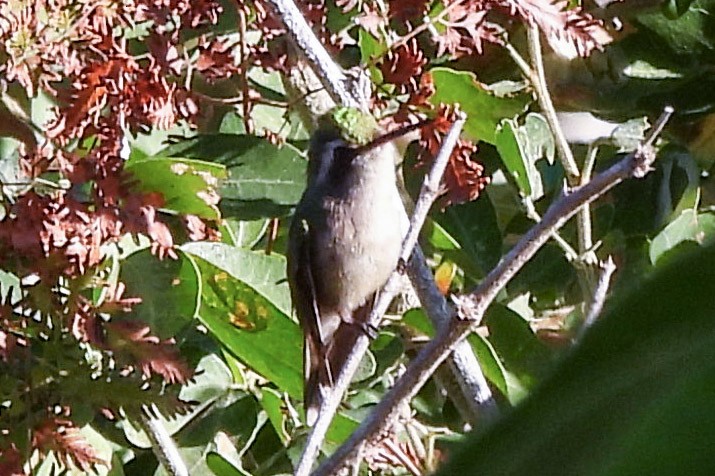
(675, 8)
(546, 277)
(264, 273)
(689, 226)
(220, 466)
(370, 47)
(251, 327)
(634, 398)
(264, 180)
(340, 430)
(521, 352)
(484, 109)
(536, 138)
(689, 34)
(642, 69)
(474, 226)
(439, 237)
(492, 367)
(188, 186)
(169, 290)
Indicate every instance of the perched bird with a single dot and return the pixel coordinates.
(344, 243)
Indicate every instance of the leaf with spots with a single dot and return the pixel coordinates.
(251, 327)
(188, 186)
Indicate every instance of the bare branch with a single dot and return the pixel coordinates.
(607, 267)
(330, 74)
(163, 446)
(471, 308)
(465, 368)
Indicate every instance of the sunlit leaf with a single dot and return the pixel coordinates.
(264, 180)
(484, 109)
(689, 226)
(188, 186)
(251, 327)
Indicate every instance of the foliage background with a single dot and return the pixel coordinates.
(152, 152)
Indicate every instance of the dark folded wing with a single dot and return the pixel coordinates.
(303, 292)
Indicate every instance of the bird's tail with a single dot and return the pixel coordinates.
(323, 370)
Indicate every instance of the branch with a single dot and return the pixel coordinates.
(163, 446)
(329, 406)
(330, 74)
(608, 267)
(463, 364)
(471, 308)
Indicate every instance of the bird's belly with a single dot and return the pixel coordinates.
(364, 250)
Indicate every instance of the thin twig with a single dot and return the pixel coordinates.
(600, 291)
(471, 308)
(571, 254)
(430, 187)
(538, 79)
(329, 405)
(463, 363)
(163, 445)
(247, 104)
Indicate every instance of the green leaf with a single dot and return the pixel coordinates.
(272, 403)
(492, 367)
(642, 69)
(246, 233)
(516, 161)
(170, 297)
(635, 397)
(689, 226)
(474, 226)
(264, 180)
(340, 430)
(264, 273)
(222, 467)
(689, 34)
(536, 138)
(188, 186)
(370, 47)
(252, 328)
(522, 353)
(484, 109)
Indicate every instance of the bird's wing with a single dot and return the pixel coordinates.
(316, 371)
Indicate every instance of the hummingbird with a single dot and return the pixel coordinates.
(344, 242)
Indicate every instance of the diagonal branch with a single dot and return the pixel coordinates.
(471, 308)
(331, 75)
